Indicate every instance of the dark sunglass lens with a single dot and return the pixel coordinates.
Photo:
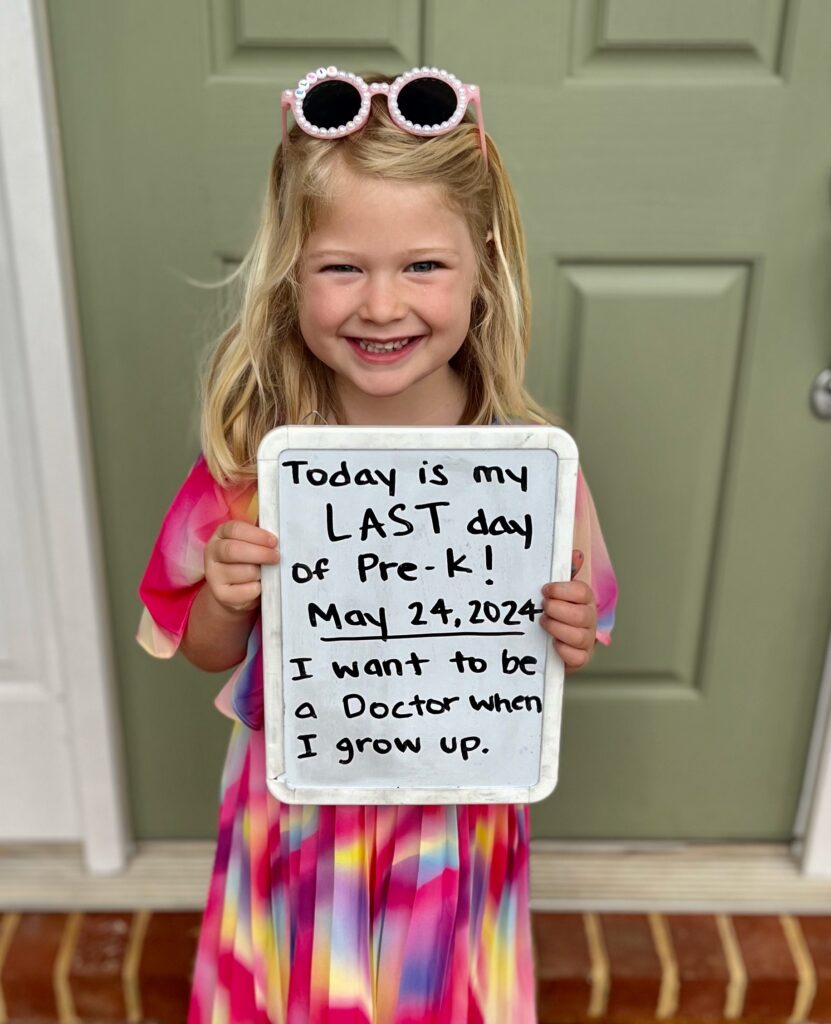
(331, 104)
(427, 101)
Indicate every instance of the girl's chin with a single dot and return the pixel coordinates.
(382, 390)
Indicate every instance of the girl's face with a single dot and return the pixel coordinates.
(389, 262)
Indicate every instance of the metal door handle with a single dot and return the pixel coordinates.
(821, 395)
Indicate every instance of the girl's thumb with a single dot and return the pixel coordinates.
(576, 562)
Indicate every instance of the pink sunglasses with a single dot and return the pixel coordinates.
(329, 103)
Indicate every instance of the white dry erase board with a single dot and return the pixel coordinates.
(404, 660)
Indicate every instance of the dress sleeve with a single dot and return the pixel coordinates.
(176, 569)
(597, 568)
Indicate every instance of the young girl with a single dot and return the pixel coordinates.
(387, 285)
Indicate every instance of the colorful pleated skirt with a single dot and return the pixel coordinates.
(343, 914)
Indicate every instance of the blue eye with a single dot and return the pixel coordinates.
(430, 264)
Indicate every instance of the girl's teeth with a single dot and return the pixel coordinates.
(393, 346)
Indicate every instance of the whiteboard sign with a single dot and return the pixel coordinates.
(404, 661)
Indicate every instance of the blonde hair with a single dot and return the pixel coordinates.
(261, 374)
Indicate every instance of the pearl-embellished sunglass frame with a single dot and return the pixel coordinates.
(466, 94)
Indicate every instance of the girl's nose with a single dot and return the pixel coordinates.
(381, 301)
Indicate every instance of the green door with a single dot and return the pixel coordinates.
(672, 163)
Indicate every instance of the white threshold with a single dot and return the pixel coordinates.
(565, 876)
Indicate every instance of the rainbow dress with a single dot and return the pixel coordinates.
(342, 914)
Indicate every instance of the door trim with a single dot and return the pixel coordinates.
(813, 816)
(42, 275)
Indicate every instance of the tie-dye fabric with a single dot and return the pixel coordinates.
(340, 914)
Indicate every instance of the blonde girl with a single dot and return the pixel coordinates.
(386, 285)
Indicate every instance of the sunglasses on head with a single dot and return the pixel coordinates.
(329, 103)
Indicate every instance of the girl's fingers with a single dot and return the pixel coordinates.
(566, 611)
(574, 636)
(241, 596)
(231, 551)
(238, 529)
(575, 591)
(240, 573)
(571, 657)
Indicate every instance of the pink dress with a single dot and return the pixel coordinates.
(343, 914)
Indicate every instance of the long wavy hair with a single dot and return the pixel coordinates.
(260, 373)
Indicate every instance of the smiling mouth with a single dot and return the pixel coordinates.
(393, 345)
(389, 352)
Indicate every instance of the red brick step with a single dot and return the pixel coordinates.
(136, 965)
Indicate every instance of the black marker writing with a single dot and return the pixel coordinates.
(301, 668)
(501, 525)
(434, 516)
(488, 473)
(496, 702)
(302, 573)
(307, 746)
(526, 665)
(438, 476)
(462, 662)
(368, 561)
(355, 705)
(372, 521)
(466, 745)
(379, 746)
(330, 526)
(341, 477)
(354, 617)
(375, 561)
(378, 666)
(454, 565)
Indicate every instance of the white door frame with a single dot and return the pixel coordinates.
(813, 816)
(31, 156)
(42, 283)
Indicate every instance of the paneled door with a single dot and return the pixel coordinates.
(672, 163)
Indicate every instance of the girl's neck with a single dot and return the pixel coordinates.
(430, 403)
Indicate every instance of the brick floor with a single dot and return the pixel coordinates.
(135, 966)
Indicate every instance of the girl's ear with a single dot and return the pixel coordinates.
(490, 247)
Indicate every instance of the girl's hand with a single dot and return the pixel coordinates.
(570, 616)
(233, 557)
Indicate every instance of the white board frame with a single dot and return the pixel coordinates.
(285, 438)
